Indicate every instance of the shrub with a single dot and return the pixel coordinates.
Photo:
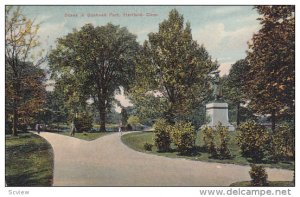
(208, 137)
(134, 121)
(253, 140)
(258, 175)
(148, 147)
(223, 139)
(162, 137)
(84, 122)
(183, 136)
(283, 142)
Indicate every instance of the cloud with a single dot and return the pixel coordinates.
(225, 45)
(224, 68)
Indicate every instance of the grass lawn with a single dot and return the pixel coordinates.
(86, 136)
(271, 184)
(137, 140)
(28, 161)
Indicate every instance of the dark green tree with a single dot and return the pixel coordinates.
(234, 86)
(124, 116)
(271, 56)
(172, 69)
(98, 61)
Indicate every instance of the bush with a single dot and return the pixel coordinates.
(223, 139)
(258, 175)
(283, 142)
(148, 147)
(162, 137)
(183, 136)
(83, 122)
(253, 139)
(208, 137)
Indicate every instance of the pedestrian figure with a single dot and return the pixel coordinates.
(73, 129)
(120, 129)
(37, 128)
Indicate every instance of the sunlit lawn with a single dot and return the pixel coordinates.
(28, 161)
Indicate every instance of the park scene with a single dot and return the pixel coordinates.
(150, 96)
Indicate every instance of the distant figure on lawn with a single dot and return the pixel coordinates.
(73, 129)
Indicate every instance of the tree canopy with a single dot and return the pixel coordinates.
(172, 69)
(271, 56)
(24, 79)
(96, 62)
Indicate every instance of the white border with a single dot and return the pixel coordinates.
(124, 191)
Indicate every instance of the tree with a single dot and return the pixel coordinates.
(173, 68)
(271, 56)
(134, 121)
(124, 116)
(99, 60)
(22, 75)
(234, 86)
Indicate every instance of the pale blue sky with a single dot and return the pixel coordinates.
(224, 30)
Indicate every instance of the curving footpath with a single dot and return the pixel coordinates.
(106, 161)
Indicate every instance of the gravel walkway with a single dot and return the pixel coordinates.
(108, 162)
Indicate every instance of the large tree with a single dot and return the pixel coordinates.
(173, 68)
(23, 81)
(98, 61)
(234, 86)
(271, 55)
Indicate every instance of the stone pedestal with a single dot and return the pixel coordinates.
(218, 112)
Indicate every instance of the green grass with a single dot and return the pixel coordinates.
(87, 136)
(271, 184)
(137, 140)
(28, 161)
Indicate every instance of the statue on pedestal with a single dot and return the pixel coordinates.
(217, 93)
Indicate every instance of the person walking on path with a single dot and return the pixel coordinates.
(120, 129)
(73, 129)
(37, 128)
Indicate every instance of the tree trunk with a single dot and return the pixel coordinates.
(273, 119)
(15, 122)
(102, 113)
(238, 114)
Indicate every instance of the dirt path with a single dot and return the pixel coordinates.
(108, 162)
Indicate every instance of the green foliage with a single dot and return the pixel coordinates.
(24, 88)
(124, 116)
(208, 137)
(83, 122)
(162, 136)
(172, 70)
(183, 136)
(216, 141)
(94, 62)
(271, 56)
(234, 88)
(133, 121)
(223, 140)
(258, 175)
(253, 139)
(148, 147)
(283, 142)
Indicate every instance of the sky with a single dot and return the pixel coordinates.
(223, 30)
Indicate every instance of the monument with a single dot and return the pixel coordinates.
(217, 110)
